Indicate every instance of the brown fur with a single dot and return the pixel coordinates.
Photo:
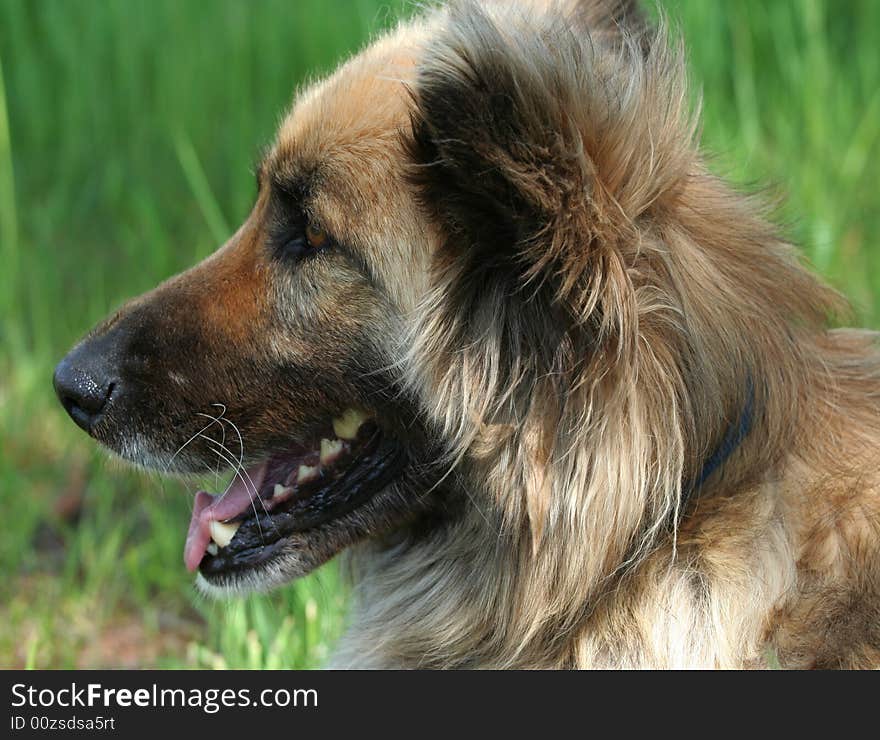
(577, 309)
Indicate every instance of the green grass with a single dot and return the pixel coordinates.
(128, 132)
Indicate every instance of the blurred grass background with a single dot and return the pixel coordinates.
(128, 134)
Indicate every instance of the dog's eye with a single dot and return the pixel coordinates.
(316, 237)
(309, 240)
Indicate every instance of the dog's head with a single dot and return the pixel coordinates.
(472, 247)
(277, 356)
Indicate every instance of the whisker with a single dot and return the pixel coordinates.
(240, 466)
(238, 473)
(214, 420)
(237, 468)
(241, 451)
(217, 468)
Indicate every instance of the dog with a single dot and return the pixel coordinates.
(565, 398)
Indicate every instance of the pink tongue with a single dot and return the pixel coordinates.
(208, 508)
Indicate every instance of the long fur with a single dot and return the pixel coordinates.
(599, 306)
(557, 315)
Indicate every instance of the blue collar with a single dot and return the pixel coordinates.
(734, 436)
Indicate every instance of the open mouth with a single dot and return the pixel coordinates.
(299, 489)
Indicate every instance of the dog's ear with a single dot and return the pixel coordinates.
(537, 148)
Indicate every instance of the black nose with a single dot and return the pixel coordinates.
(84, 387)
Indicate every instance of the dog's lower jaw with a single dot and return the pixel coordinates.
(268, 577)
(301, 553)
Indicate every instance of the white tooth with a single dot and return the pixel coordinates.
(347, 425)
(306, 473)
(330, 450)
(211, 548)
(223, 532)
(280, 490)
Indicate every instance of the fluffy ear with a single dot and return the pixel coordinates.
(538, 146)
(538, 149)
